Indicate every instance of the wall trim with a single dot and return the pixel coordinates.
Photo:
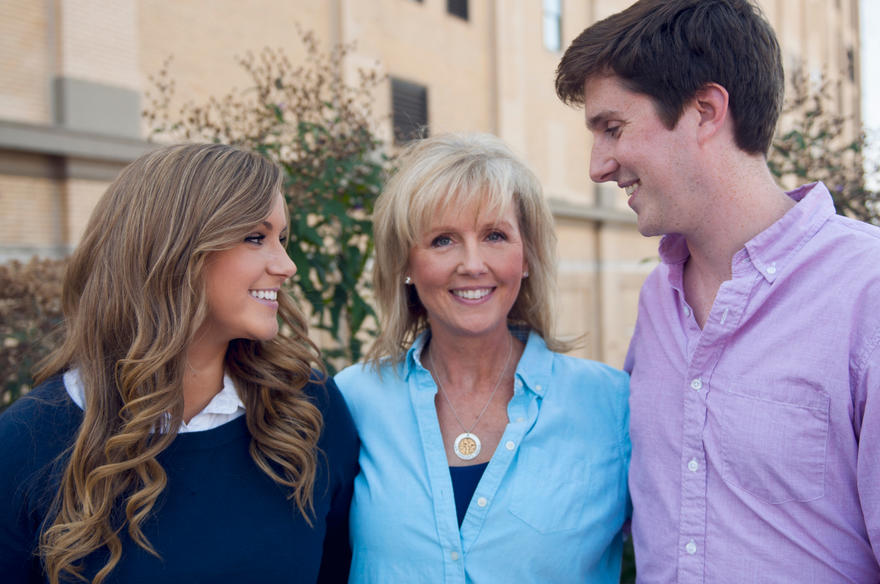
(568, 210)
(57, 141)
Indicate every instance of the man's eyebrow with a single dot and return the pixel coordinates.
(600, 118)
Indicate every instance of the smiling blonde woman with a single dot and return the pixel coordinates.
(486, 456)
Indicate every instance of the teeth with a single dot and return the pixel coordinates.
(265, 294)
(631, 188)
(472, 294)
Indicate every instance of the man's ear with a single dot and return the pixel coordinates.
(711, 102)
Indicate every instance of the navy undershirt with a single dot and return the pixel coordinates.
(464, 483)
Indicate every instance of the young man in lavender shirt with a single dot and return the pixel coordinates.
(755, 392)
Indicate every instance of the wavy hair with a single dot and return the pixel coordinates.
(133, 298)
(458, 170)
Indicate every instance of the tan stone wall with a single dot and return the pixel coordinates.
(98, 41)
(578, 309)
(31, 213)
(205, 39)
(81, 197)
(25, 61)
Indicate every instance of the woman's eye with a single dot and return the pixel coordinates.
(441, 240)
(496, 236)
(258, 239)
(283, 239)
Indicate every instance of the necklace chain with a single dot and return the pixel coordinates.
(468, 432)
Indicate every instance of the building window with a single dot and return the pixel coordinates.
(457, 8)
(553, 24)
(409, 110)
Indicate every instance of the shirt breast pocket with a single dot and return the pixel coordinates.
(552, 493)
(773, 449)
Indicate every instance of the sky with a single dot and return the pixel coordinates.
(870, 22)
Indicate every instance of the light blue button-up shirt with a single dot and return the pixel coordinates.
(549, 507)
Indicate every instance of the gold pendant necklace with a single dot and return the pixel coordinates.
(467, 445)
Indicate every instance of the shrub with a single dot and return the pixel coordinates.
(810, 145)
(30, 311)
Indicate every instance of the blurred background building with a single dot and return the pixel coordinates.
(73, 74)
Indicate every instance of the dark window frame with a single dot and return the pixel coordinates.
(409, 110)
(458, 8)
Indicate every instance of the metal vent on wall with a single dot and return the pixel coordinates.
(409, 104)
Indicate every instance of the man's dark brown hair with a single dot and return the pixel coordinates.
(670, 49)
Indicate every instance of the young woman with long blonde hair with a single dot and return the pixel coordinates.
(183, 430)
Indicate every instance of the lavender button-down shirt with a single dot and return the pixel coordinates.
(756, 440)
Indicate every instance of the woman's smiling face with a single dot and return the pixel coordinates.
(242, 282)
(467, 267)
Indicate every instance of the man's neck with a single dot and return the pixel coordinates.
(746, 202)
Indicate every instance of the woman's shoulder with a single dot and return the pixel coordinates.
(367, 388)
(596, 369)
(324, 393)
(327, 398)
(47, 406)
(35, 430)
(596, 386)
(364, 371)
(365, 377)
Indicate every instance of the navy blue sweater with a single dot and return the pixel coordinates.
(219, 519)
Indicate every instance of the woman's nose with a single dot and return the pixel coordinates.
(281, 264)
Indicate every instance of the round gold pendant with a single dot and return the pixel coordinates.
(466, 446)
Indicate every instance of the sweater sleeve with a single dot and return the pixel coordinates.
(340, 445)
(34, 431)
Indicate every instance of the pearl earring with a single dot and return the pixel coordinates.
(407, 280)
(525, 274)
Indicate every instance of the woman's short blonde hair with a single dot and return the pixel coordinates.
(458, 170)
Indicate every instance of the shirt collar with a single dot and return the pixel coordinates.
(532, 371)
(225, 402)
(769, 250)
(224, 405)
(413, 361)
(535, 366)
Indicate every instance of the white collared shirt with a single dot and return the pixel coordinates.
(223, 407)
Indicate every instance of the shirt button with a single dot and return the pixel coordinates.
(482, 502)
(539, 389)
(693, 466)
(520, 419)
(771, 270)
(691, 547)
(697, 384)
(510, 445)
(454, 556)
(687, 311)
